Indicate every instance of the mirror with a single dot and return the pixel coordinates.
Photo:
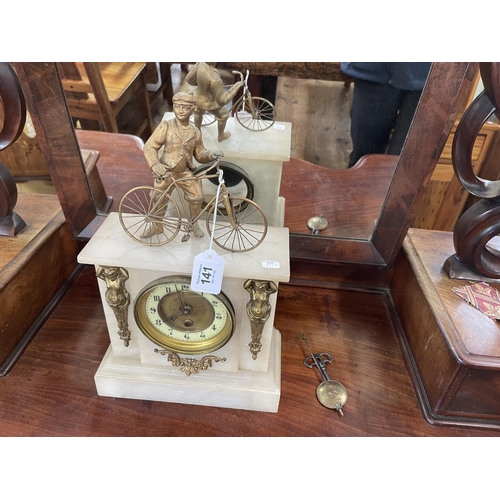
(448, 85)
(317, 99)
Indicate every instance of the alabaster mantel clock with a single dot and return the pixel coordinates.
(172, 342)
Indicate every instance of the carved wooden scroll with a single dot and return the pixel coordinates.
(14, 118)
(475, 258)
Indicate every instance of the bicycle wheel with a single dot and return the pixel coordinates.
(206, 119)
(257, 115)
(149, 216)
(250, 230)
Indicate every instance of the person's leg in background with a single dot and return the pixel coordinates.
(408, 105)
(373, 116)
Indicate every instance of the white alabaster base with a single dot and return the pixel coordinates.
(128, 378)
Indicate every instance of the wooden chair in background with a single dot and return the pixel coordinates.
(101, 91)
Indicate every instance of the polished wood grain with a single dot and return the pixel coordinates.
(34, 266)
(122, 166)
(121, 162)
(47, 105)
(51, 391)
(351, 208)
(432, 249)
(421, 152)
(13, 106)
(352, 205)
(432, 123)
(350, 200)
(453, 349)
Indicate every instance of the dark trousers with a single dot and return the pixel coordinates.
(380, 118)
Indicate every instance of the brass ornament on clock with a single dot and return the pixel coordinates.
(181, 320)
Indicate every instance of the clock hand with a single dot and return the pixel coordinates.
(173, 317)
(185, 309)
(183, 304)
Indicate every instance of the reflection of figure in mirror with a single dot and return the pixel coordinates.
(385, 98)
(210, 96)
(181, 141)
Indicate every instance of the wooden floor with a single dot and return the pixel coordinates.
(320, 114)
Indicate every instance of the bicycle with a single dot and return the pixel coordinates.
(237, 224)
(253, 113)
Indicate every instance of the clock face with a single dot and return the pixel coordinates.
(177, 318)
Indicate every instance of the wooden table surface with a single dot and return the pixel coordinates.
(51, 391)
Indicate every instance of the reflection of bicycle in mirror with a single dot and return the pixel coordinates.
(236, 223)
(253, 113)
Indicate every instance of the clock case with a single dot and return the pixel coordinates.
(244, 380)
(139, 371)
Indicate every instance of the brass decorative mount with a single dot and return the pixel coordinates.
(190, 365)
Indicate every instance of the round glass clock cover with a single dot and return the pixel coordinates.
(179, 319)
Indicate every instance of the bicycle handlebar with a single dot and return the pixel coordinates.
(243, 79)
(238, 73)
(201, 175)
(214, 166)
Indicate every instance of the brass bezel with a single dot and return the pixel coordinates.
(176, 345)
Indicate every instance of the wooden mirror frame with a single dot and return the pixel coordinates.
(447, 88)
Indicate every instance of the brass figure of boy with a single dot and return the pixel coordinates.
(181, 141)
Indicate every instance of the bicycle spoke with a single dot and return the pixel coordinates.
(261, 116)
(157, 237)
(241, 244)
(245, 234)
(158, 209)
(222, 215)
(246, 121)
(245, 240)
(230, 238)
(241, 237)
(140, 220)
(221, 231)
(142, 211)
(170, 224)
(135, 206)
(250, 216)
(138, 228)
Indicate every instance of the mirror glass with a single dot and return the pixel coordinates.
(335, 108)
(334, 124)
